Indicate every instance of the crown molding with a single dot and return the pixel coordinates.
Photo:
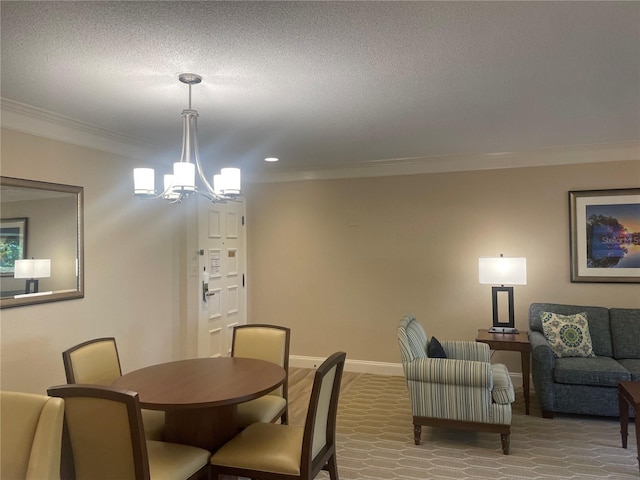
(556, 156)
(35, 121)
(27, 119)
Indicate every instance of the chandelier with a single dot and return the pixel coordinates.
(182, 184)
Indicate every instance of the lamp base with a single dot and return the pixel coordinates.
(509, 330)
(30, 282)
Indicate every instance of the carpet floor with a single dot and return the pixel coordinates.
(375, 439)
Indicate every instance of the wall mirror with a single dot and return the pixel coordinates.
(41, 242)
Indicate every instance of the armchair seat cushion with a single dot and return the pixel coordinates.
(503, 392)
(596, 371)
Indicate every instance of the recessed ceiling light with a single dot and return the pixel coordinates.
(271, 159)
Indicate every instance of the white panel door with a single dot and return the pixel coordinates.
(221, 241)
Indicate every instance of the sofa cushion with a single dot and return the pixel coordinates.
(568, 335)
(598, 371)
(633, 365)
(625, 332)
(598, 318)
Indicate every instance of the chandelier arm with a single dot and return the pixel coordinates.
(196, 153)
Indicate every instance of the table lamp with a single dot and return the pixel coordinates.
(32, 269)
(502, 271)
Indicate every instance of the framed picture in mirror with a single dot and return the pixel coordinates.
(13, 243)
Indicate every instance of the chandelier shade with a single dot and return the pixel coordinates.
(181, 184)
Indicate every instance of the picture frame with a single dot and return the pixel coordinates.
(13, 243)
(605, 235)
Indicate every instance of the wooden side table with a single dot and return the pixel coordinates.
(512, 342)
(629, 396)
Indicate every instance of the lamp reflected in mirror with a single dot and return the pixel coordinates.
(33, 269)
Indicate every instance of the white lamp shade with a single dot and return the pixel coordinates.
(502, 270)
(32, 268)
(168, 188)
(143, 181)
(184, 177)
(231, 181)
(218, 183)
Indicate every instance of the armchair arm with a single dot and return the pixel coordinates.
(462, 350)
(449, 371)
(46, 449)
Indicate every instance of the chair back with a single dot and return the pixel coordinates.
(412, 339)
(95, 362)
(105, 432)
(320, 426)
(31, 436)
(264, 342)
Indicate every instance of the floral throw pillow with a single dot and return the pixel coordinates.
(568, 335)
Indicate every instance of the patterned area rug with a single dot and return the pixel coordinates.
(375, 441)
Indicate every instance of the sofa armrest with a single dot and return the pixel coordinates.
(449, 371)
(541, 351)
(542, 371)
(461, 350)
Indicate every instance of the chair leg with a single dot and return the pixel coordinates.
(505, 438)
(332, 468)
(417, 433)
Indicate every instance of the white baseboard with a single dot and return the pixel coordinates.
(365, 366)
(356, 366)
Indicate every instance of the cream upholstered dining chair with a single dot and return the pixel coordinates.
(269, 343)
(97, 362)
(460, 390)
(30, 436)
(107, 439)
(271, 451)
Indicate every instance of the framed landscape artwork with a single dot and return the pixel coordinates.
(13, 243)
(605, 235)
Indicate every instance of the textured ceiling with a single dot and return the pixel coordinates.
(326, 84)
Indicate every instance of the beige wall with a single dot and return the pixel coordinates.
(131, 273)
(341, 261)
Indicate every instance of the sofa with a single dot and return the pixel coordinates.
(585, 385)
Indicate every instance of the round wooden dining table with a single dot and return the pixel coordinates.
(200, 396)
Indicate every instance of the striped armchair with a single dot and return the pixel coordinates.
(463, 391)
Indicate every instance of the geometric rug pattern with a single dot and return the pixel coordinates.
(375, 441)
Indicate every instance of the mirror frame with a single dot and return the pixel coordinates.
(56, 187)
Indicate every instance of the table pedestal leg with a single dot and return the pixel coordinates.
(624, 419)
(525, 358)
(208, 428)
